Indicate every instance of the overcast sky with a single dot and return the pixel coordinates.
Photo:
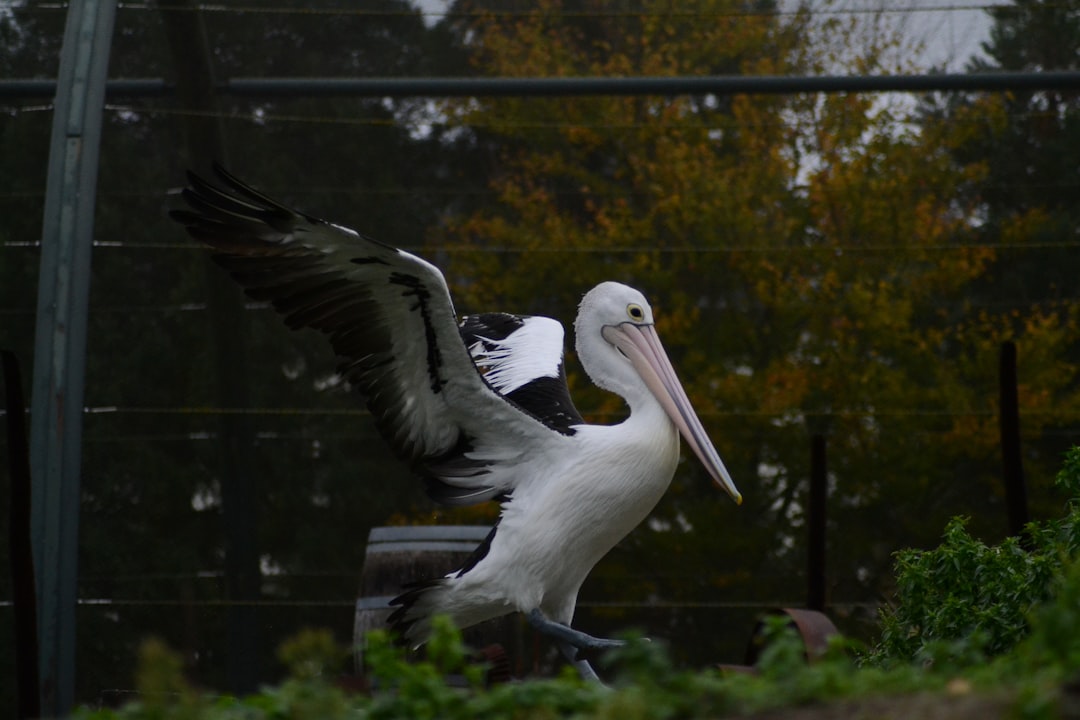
(952, 30)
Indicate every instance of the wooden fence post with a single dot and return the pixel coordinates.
(815, 522)
(1011, 459)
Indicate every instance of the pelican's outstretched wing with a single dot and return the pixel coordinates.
(389, 317)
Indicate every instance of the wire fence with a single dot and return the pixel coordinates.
(138, 437)
(524, 11)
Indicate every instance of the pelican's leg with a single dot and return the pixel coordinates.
(583, 667)
(566, 634)
(569, 641)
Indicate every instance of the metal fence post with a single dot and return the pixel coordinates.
(60, 340)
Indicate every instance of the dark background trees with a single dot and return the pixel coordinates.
(1026, 146)
(817, 266)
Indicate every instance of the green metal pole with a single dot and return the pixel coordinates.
(60, 341)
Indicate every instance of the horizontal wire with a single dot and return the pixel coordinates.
(715, 604)
(214, 437)
(129, 309)
(663, 250)
(261, 118)
(205, 575)
(1002, 302)
(1069, 432)
(211, 410)
(267, 118)
(428, 87)
(351, 603)
(792, 412)
(608, 14)
(9, 108)
(216, 602)
(255, 116)
(156, 196)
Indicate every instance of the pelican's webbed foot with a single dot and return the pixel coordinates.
(569, 641)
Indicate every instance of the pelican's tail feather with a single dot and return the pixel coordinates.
(411, 621)
(464, 604)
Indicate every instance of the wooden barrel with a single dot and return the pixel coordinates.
(396, 556)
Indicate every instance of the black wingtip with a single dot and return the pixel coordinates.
(198, 186)
(225, 176)
(199, 183)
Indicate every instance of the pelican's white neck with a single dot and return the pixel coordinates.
(611, 371)
(609, 304)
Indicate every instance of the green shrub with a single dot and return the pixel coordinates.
(964, 600)
(958, 605)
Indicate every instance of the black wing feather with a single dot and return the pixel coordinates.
(545, 398)
(389, 317)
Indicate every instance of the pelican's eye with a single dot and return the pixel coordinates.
(636, 312)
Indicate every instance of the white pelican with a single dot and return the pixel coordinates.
(481, 409)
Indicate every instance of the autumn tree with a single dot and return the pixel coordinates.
(1029, 144)
(818, 264)
(810, 260)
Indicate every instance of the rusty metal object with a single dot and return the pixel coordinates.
(814, 628)
(498, 664)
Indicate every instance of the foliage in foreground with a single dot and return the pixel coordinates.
(646, 685)
(958, 605)
(1024, 683)
(965, 600)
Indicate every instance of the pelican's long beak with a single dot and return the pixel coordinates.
(642, 347)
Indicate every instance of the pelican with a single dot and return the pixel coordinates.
(478, 406)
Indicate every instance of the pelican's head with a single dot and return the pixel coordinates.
(620, 350)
